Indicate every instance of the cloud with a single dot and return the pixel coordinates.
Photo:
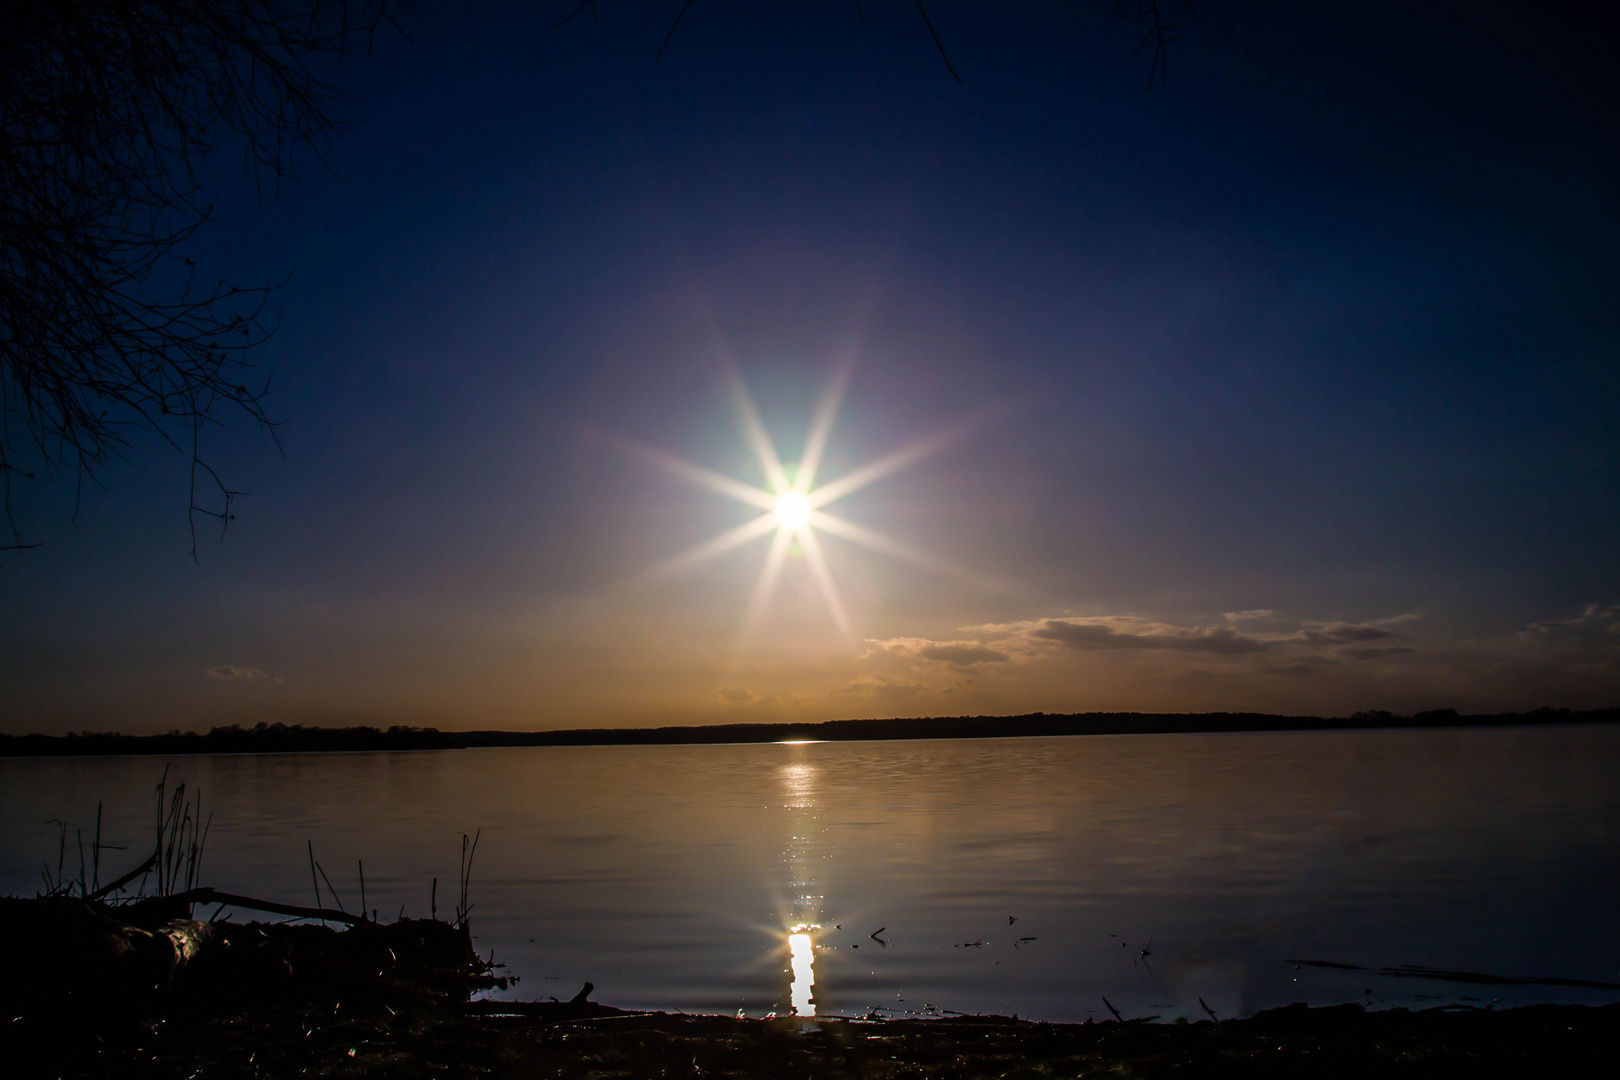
(234, 671)
(1082, 660)
(1595, 623)
(1305, 665)
(1340, 633)
(1092, 635)
(958, 654)
(882, 689)
(963, 654)
(1376, 654)
(740, 695)
(1590, 641)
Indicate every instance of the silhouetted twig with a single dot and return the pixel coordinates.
(938, 43)
(570, 17)
(672, 27)
(469, 848)
(1160, 33)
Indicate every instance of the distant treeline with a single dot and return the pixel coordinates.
(282, 738)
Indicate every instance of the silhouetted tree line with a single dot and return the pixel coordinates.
(282, 738)
(235, 739)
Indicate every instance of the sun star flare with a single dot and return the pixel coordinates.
(793, 508)
(793, 511)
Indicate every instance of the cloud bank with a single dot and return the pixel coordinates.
(238, 672)
(1254, 659)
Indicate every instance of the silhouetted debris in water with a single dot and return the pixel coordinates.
(85, 992)
(69, 955)
(68, 952)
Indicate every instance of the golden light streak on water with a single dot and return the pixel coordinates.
(803, 953)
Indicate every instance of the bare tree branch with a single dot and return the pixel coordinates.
(1160, 33)
(107, 110)
(938, 43)
(672, 26)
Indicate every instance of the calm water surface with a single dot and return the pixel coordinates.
(717, 878)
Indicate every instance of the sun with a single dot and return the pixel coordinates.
(794, 510)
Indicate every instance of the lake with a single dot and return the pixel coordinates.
(1019, 876)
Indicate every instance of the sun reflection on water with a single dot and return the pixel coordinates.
(798, 779)
(803, 952)
(799, 785)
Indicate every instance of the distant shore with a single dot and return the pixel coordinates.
(282, 738)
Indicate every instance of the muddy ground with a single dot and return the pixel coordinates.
(561, 1042)
(86, 995)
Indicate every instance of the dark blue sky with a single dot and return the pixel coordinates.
(1289, 385)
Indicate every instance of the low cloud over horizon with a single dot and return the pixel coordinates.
(1274, 665)
(237, 671)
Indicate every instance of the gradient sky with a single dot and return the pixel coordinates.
(1289, 386)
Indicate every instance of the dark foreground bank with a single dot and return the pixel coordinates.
(563, 1042)
(282, 738)
(98, 991)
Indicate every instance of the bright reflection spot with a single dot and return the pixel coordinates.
(799, 785)
(793, 510)
(804, 973)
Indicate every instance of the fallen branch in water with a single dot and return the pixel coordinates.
(209, 895)
(107, 890)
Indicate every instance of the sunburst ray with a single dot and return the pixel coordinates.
(697, 474)
(794, 507)
(759, 439)
(716, 547)
(774, 558)
(824, 580)
(821, 429)
(848, 530)
(887, 466)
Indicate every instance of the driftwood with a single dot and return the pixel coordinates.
(108, 890)
(70, 956)
(248, 903)
(68, 947)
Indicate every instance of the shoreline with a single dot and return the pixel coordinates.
(94, 993)
(283, 738)
(593, 1042)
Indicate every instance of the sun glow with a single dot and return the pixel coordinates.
(794, 509)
